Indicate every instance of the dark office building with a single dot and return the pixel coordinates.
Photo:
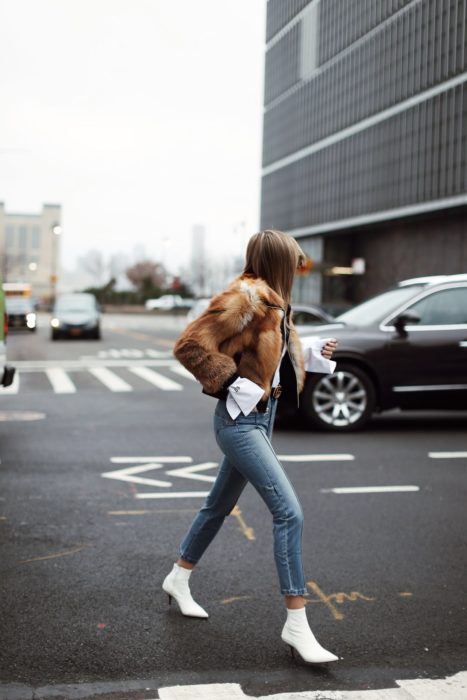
(365, 139)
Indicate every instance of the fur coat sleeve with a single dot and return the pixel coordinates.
(239, 334)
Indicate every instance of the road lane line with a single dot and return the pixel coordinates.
(60, 381)
(247, 531)
(155, 378)
(183, 372)
(317, 458)
(109, 379)
(65, 553)
(13, 388)
(174, 494)
(129, 460)
(144, 336)
(153, 511)
(371, 489)
(447, 455)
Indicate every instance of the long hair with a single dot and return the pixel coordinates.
(274, 256)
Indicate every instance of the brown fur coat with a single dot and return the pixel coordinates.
(239, 334)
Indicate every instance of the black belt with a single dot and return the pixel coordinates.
(261, 406)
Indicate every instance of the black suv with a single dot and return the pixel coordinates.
(406, 348)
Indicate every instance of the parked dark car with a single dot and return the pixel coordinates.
(75, 315)
(21, 313)
(406, 348)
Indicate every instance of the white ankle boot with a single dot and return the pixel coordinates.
(176, 585)
(298, 635)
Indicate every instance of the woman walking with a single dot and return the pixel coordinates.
(245, 352)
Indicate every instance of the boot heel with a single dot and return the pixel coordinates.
(292, 651)
(170, 598)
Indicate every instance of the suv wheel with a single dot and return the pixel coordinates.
(341, 401)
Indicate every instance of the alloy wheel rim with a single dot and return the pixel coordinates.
(340, 399)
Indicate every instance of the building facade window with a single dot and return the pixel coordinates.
(22, 237)
(35, 237)
(10, 237)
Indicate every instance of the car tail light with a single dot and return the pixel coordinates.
(5, 324)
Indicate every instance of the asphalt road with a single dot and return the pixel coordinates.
(83, 552)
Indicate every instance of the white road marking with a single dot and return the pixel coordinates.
(84, 364)
(450, 688)
(21, 416)
(150, 352)
(182, 371)
(109, 379)
(128, 474)
(189, 472)
(447, 455)
(155, 378)
(174, 494)
(131, 460)
(370, 489)
(317, 458)
(60, 381)
(13, 388)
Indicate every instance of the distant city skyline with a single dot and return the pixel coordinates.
(138, 118)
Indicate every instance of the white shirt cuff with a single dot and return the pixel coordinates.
(314, 361)
(243, 397)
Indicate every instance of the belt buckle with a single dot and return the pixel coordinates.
(277, 391)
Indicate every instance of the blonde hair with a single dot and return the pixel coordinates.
(274, 256)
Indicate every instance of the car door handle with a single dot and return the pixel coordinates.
(463, 343)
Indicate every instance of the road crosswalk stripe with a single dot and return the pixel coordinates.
(182, 371)
(450, 688)
(155, 378)
(60, 380)
(111, 380)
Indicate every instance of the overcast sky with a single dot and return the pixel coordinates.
(141, 117)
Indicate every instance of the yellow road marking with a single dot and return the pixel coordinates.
(405, 594)
(247, 531)
(143, 336)
(55, 556)
(337, 597)
(226, 601)
(149, 512)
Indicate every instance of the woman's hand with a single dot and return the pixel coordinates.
(329, 348)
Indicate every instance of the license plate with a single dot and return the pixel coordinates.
(75, 331)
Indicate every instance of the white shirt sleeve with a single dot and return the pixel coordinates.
(243, 397)
(314, 361)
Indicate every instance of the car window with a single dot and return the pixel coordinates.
(75, 304)
(17, 305)
(375, 308)
(448, 306)
(302, 318)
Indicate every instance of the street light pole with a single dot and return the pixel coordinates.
(56, 231)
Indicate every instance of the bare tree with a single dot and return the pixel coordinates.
(93, 263)
(147, 272)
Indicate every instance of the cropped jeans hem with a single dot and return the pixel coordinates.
(187, 558)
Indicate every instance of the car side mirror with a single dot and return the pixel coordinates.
(405, 318)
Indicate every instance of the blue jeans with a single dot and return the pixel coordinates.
(249, 456)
